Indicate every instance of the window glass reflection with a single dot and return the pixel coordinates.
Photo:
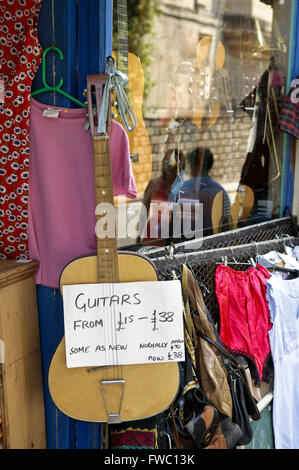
(207, 80)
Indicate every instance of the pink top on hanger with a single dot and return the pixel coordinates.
(61, 187)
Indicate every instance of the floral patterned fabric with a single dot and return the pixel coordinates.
(20, 56)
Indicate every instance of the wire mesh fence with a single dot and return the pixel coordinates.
(238, 246)
(253, 233)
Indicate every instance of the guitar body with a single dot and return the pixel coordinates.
(210, 57)
(140, 146)
(202, 52)
(202, 56)
(148, 388)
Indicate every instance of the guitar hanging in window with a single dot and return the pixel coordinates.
(109, 394)
(129, 64)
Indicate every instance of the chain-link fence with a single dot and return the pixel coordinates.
(237, 246)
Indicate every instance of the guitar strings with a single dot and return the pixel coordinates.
(106, 291)
(114, 275)
(106, 287)
(113, 331)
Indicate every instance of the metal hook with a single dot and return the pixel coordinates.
(286, 235)
(184, 263)
(170, 250)
(233, 256)
(257, 255)
(206, 290)
(162, 269)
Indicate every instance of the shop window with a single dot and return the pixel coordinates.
(207, 80)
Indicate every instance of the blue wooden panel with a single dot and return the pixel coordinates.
(287, 179)
(46, 309)
(58, 25)
(105, 31)
(65, 27)
(295, 71)
(82, 29)
(88, 435)
(94, 37)
(60, 429)
(83, 45)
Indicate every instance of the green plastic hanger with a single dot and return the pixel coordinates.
(56, 88)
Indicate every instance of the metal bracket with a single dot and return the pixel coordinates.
(113, 418)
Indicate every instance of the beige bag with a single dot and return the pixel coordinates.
(209, 366)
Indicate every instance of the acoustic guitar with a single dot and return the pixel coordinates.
(129, 64)
(210, 56)
(120, 393)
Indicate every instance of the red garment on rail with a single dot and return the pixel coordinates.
(244, 314)
(20, 55)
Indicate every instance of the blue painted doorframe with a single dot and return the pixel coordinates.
(82, 29)
(287, 178)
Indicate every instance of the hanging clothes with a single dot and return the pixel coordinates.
(61, 197)
(20, 56)
(255, 171)
(283, 298)
(289, 117)
(244, 316)
(281, 265)
(221, 385)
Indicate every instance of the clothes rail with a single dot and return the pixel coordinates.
(203, 264)
(241, 236)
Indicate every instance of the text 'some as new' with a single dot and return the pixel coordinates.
(123, 323)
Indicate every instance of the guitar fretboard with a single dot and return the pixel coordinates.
(216, 35)
(107, 257)
(122, 36)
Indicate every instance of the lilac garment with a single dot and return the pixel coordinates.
(61, 187)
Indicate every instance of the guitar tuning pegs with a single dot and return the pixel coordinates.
(85, 92)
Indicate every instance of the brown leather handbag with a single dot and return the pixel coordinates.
(209, 365)
(217, 368)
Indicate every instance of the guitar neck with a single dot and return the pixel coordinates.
(122, 36)
(216, 35)
(107, 257)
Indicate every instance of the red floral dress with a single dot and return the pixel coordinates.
(20, 55)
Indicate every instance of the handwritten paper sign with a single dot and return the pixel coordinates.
(123, 323)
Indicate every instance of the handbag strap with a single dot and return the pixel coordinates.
(174, 428)
(222, 350)
(185, 295)
(254, 411)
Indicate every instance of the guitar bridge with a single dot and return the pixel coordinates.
(113, 418)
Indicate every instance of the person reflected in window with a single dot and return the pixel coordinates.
(158, 200)
(201, 187)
